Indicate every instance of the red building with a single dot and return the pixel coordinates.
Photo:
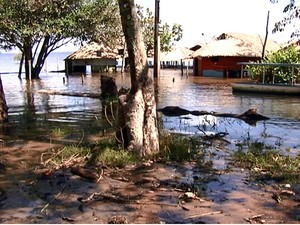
(219, 58)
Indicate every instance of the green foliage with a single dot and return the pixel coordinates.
(58, 132)
(169, 34)
(37, 28)
(267, 163)
(117, 158)
(282, 74)
(174, 147)
(290, 20)
(69, 152)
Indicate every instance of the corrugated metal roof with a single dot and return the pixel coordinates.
(236, 44)
(93, 50)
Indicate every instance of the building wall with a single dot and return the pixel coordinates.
(97, 65)
(221, 66)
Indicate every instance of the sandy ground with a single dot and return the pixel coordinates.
(151, 193)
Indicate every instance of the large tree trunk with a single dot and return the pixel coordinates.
(40, 61)
(3, 105)
(31, 71)
(138, 108)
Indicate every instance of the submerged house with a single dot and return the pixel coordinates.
(176, 58)
(219, 57)
(99, 57)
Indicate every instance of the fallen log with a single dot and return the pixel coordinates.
(86, 173)
(250, 116)
(74, 94)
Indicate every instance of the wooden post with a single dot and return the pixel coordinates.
(181, 67)
(29, 65)
(264, 73)
(242, 72)
(123, 58)
(156, 41)
(266, 37)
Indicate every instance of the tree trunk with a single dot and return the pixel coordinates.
(40, 61)
(20, 66)
(3, 105)
(28, 61)
(266, 37)
(31, 72)
(138, 108)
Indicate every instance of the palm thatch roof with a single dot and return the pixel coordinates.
(177, 53)
(93, 50)
(237, 44)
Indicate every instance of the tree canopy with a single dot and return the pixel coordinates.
(292, 19)
(38, 27)
(168, 33)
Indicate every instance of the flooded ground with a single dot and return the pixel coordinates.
(140, 195)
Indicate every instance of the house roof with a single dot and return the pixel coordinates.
(93, 50)
(236, 44)
(177, 53)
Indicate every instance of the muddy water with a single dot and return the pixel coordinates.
(193, 93)
(30, 111)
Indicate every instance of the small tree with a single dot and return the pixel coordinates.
(169, 34)
(138, 108)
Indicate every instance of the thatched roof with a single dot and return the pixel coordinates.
(177, 53)
(93, 50)
(236, 44)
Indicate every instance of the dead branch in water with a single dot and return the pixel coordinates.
(74, 94)
(250, 116)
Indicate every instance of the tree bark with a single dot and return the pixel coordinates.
(138, 107)
(3, 105)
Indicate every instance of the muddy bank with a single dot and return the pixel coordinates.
(148, 193)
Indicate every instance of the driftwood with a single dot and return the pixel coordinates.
(86, 173)
(250, 116)
(74, 94)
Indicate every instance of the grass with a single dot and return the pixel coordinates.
(117, 158)
(179, 148)
(173, 148)
(70, 151)
(58, 132)
(265, 162)
(104, 153)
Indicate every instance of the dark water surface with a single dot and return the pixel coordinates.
(190, 92)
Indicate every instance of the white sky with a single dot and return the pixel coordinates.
(213, 17)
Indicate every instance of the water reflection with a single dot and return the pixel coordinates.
(172, 89)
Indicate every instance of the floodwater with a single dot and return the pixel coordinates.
(31, 111)
(209, 94)
(172, 89)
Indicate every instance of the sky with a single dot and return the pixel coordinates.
(214, 17)
(203, 19)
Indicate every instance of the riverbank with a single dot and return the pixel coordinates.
(148, 192)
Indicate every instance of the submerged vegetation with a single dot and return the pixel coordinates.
(265, 162)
